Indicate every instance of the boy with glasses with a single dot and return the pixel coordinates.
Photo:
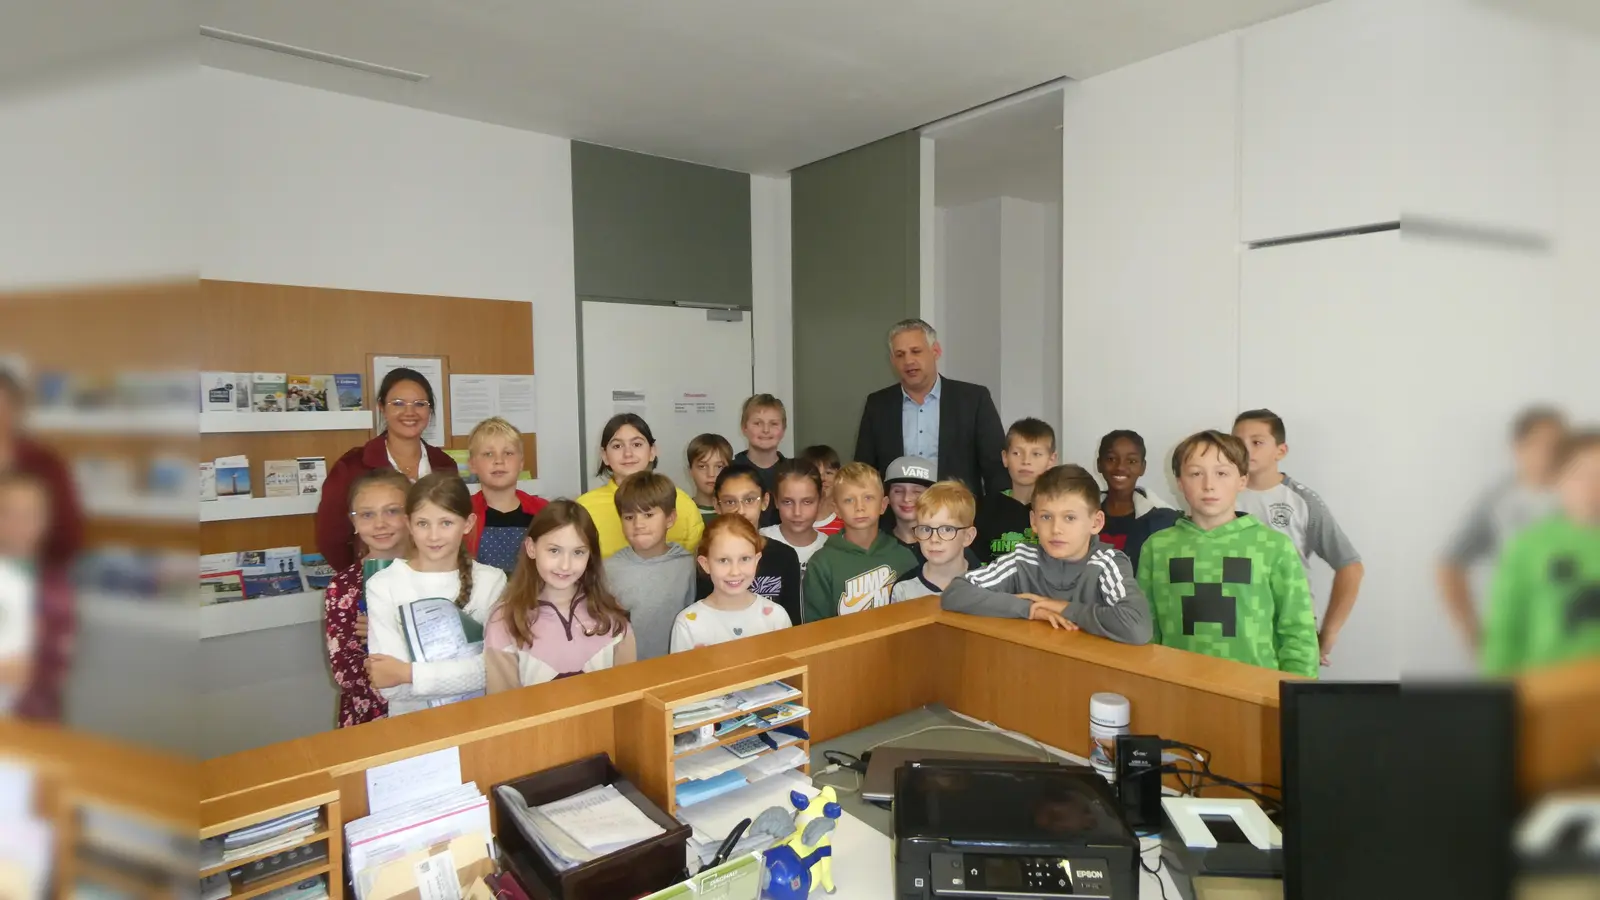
(943, 533)
(1071, 578)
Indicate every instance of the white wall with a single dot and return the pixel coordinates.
(96, 179)
(772, 294)
(1396, 360)
(315, 188)
(1150, 283)
(1577, 233)
(1030, 317)
(999, 269)
(969, 329)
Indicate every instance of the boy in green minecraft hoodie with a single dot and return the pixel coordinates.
(1221, 582)
(1544, 602)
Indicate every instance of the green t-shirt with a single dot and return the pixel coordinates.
(1236, 592)
(1544, 602)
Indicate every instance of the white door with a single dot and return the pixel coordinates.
(686, 371)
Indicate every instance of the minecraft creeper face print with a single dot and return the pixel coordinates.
(1208, 603)
(1583, 599)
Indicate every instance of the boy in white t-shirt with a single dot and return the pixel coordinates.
(1287, 506)
(798, 494)
(730, 550)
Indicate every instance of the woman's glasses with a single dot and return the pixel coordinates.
(733, 503)
(399, 405)
(945, 532)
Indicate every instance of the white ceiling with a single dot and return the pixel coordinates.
(753, 85)
(1012, 151)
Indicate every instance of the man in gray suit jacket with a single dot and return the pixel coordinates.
(954, 423)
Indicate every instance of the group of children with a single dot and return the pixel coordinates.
(637, 568)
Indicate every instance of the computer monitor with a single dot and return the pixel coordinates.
(1392, 792)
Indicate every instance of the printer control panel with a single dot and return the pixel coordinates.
(1004, 875)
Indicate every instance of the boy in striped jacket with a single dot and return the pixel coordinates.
(1071, 578)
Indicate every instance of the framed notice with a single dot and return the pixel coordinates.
(435, 370)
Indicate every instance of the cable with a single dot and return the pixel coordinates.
(834, 767)
(1160, 860)
(1044, 752)
(1268, 803)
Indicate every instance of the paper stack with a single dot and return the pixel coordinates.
(403, 829)
(712, 820)
(711, 709)
(748, 772)
(585, 826)
(273, 834)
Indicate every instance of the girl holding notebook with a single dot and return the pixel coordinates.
(426, 611)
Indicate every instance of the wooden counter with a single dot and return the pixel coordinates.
(861, 669)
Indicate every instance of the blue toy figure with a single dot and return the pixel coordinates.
(789, 866)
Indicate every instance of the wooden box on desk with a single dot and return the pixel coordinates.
(659, 777)
(644, 868)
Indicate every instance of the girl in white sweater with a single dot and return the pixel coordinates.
(439, 516)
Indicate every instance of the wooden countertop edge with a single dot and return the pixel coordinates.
(341, 752)
(1251, 684)
(224, 814)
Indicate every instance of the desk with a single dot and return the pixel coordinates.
(976, 740)
(860, 670)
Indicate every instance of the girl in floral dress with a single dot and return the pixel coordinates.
(377, 510)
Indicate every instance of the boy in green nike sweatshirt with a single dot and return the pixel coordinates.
(857, 568)
(1544, 602)
(1221, 582)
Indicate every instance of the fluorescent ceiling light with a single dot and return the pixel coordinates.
(234, 37)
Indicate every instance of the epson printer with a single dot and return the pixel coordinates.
(987, 829)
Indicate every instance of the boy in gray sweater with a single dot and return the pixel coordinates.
(651, 578)
(1071, 579)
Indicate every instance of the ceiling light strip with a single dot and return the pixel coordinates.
(234, 37)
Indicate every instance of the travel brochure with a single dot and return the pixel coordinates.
(228, 477)
(279, 392)
(250, 574)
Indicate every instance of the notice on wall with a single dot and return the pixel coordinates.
(474, 398)
(694, 403)
(629, 402)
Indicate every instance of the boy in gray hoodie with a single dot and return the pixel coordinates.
(1071, 579)
(651, 578)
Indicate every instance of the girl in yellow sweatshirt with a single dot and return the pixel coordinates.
(627, 447)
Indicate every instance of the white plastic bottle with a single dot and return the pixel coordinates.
(1109, 715)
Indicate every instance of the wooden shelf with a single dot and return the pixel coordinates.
(660, 777)
(245, 422)
(740, 734)
(322, 833)
(228, 509)
(292, 876)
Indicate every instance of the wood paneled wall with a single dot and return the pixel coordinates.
(324, 331)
